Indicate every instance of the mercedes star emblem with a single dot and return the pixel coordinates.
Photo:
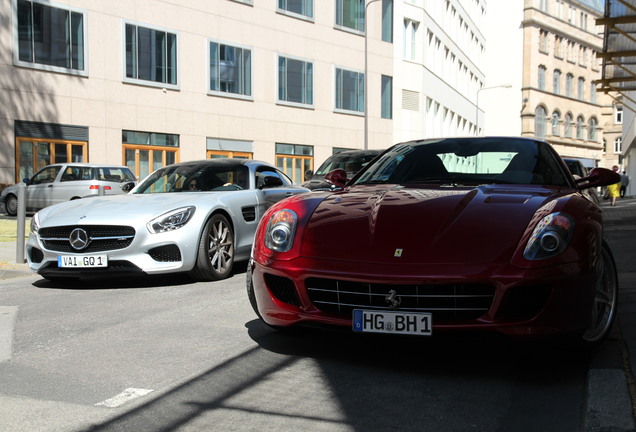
(79, 239)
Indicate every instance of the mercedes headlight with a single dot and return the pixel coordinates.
(173, 220)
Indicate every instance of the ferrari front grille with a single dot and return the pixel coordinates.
(102, 238)
(447, 302)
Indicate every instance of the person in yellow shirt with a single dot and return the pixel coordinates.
(614, 190)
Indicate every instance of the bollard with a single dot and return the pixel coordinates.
(21, 219)
(101, 191)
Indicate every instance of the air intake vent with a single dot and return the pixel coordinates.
(410, 100)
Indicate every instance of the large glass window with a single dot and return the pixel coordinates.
(294, 160)
(581, 88)
(579, 127)
(540, 118)
(350, 14)
(387, 20)
(34, 154)
(557, 82)
(349, 90)
(556, 123)
(569, 79)
(50, 37)
(541, 78)
(568, 125)
(295, 81)
(299, 7)
(151, 55)
(230, 69)
(145, 152)
(591, 129)
(387, 97)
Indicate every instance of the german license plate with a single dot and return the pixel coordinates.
(82, 261)
(411, 323)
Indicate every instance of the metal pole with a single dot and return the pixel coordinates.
(366, 75)
(21, 219)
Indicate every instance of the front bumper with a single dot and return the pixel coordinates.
(147, 253)
(502, 299)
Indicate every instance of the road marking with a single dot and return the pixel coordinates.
(126, 396)
(7, 323)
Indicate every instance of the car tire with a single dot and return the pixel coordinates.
(11, 205)
(603, 311)
(215, 256)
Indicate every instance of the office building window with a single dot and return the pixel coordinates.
(591, 129)
(556, 123)
(50, 38)
(541, 77)
(304, 8)
(294, 160)
(568, 125)
(295, 81)
(540, 117)
(618, 145)
(579, 127)
(151, 55)
(581, 89)
(618, 115)
(557, 82)
(387, 97)
(349, 90)
(230, 69)
(409, 49)
(145, 152)
(350, 14)
(569, 82)
(543, 41)
(387, 20)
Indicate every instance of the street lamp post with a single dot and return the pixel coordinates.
(477, 102)
(366, 74)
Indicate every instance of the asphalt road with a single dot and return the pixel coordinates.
(165, 354)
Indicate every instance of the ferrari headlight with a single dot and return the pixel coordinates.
(279, 235)
(550, 237)
(35, 223)
(171, 221)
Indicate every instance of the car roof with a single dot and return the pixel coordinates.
(87, 165)
(222, 162)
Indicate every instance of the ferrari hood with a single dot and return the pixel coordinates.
(409, 225)
(116, 208)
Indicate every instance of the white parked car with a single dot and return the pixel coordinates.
(197, 217)
(68, 181)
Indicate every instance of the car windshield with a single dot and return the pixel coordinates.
(469, 161)
(351, 163)
(195, 178)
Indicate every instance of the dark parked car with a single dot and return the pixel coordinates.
(351, 161)
(68, 181)
(466, 234)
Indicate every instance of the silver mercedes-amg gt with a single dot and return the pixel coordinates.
(197, 217)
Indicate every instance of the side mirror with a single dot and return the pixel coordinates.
(128, 186)
(26, 180)
(271, 181)
(308, 174)
(598, 177)
(338, 177)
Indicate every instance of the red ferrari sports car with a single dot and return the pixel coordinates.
(491, 234)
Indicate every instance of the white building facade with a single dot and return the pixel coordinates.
(145, 83)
